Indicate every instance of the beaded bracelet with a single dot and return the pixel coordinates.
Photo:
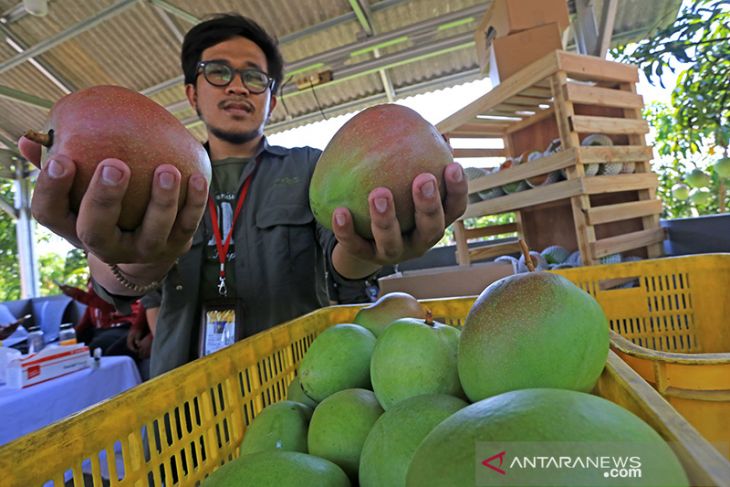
(117, 272)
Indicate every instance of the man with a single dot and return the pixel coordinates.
(274, 269)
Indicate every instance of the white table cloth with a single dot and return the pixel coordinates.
(27, 410)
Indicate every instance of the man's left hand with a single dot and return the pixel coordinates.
(389, 245)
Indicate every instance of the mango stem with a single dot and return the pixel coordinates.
(528, 258)
(42, 138)
(429, 318)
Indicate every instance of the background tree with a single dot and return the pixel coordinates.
(694, 131)
(9, 268)
(71, 269)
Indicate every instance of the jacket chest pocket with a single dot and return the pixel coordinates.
(288, 241)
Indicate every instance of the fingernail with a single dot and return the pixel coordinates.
(167, 180)
(198, 183)
(428, 189)
(110, 175)
(55, 169)
(340, 219)
(457, 174)
(381, 204)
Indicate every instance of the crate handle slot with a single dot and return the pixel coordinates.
(619, 283)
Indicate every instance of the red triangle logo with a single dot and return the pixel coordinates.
(488, 462)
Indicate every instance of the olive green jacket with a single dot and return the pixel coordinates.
(283, 258)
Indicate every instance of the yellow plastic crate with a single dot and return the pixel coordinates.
(179, 427)
(673, 328)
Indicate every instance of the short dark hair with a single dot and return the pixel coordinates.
(222, 27)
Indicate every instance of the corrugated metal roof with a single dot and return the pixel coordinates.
(137, 45)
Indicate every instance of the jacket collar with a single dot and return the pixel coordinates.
(264, 147)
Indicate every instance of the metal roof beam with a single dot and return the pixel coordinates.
(176, 11)
(608, 20)
(366, 22)
(7, 141)
(316, 116)
(13, 14)
(412, 29)
(363, 16)
(334, 21)
(26, 98)
(347, 49)
(63, 36)
(52, 75)
(8, 209)
(419, 53)
(169, 24)
(586, 30)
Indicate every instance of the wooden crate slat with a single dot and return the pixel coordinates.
(619, 182)
(504, 113)
(511, 108)
(515, 201)
(579, 66)
(498, 120)
(544, 165)
(515, 126)
(528, 101)
(537, 92)
(482, 130)
(592, 95)
(495, 250)
(651, 221)
(462, 247)
(522, 80)
(474, 134)
(484, 126)
(616, 153)
(623, 211)
(479, 153)
(628, 241)
(491, 230)
(608, 125)
(606, 103)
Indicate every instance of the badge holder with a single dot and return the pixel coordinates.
(219, 327)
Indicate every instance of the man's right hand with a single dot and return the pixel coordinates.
(164, 235)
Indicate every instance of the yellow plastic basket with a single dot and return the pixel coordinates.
(179, 427)
(672, 325)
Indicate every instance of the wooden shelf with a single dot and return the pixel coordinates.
(565, 96)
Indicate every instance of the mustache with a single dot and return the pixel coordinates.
(236, 101)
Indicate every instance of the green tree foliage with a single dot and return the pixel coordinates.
(71, 269)
(9, 269)
(679, 153)
(695, 130)
(698, 43)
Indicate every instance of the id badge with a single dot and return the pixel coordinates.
(219, 328)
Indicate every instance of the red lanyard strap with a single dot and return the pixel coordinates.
(221, 245)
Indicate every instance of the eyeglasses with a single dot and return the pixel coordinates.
(221, 74)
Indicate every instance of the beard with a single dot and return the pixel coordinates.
(232, 137)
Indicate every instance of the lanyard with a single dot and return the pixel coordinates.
(221, 245)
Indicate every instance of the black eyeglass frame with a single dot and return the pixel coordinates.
(200, 69)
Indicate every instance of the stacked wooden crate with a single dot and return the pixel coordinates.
(566, 96)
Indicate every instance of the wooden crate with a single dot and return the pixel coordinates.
(565, 96)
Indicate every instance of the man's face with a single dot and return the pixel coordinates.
(232, 113)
